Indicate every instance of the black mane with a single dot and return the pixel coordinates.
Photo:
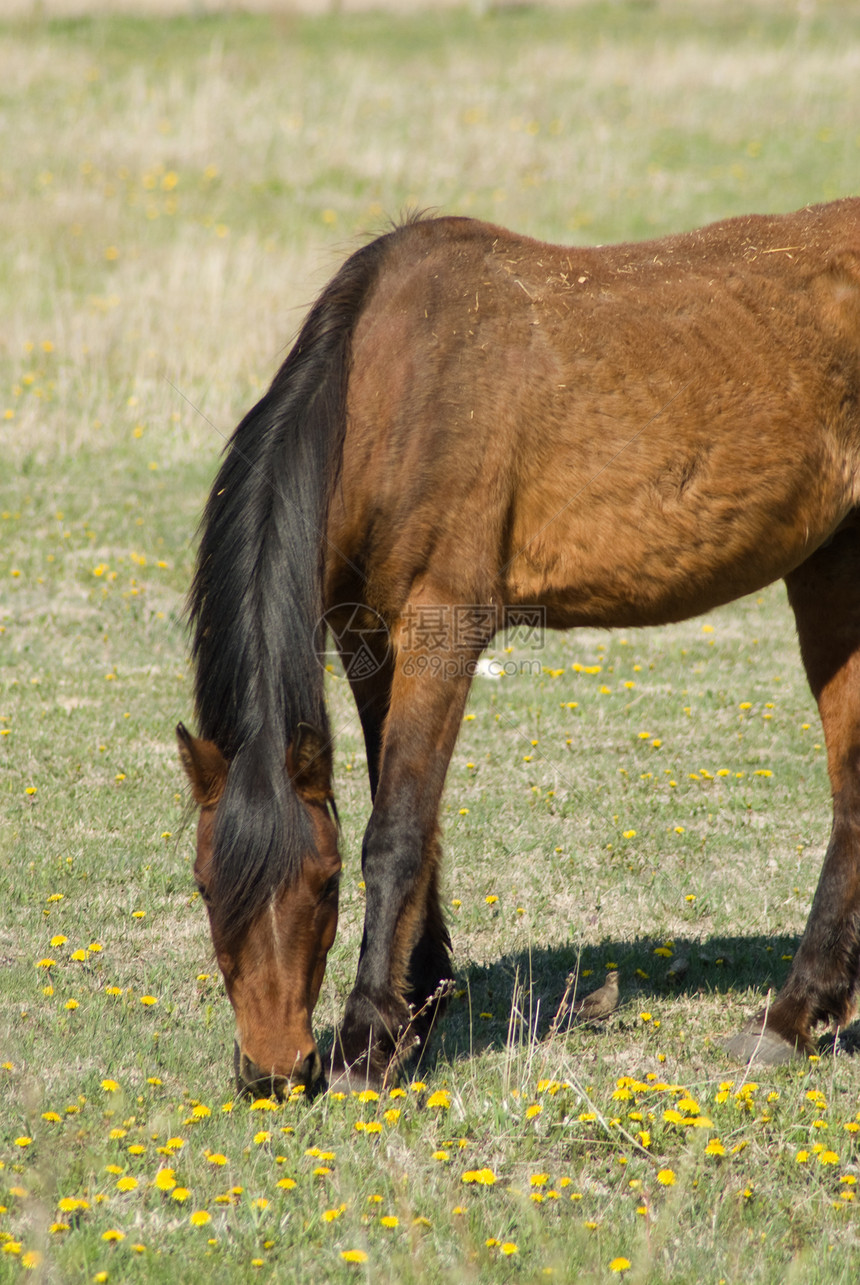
(256, 599)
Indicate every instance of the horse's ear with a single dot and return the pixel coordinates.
(205, 766)
(310, 764)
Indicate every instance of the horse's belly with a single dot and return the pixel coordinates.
(654, 559)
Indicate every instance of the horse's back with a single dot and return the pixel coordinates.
(627, 434)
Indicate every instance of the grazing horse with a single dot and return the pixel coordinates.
(470, 424)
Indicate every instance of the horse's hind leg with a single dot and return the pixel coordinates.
(825, 595)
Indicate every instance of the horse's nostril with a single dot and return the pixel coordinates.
(311, 1069)
(250, 1078)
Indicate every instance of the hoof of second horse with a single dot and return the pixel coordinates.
(762, 1047)
(354, 1079)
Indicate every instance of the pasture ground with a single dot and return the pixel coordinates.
(174, 193)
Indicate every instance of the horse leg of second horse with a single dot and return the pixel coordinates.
(404, 933)
(825, 595)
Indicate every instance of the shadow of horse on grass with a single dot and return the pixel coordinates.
(524, 997)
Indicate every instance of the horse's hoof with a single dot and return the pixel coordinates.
(343, 1080)
(764, 1047)
(357, 1076)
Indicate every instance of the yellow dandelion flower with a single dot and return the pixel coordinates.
(440, 1099)
(485, 1177)
(666, 1177)
(353, 1255)
(127, 1183)
(180, 1194)
(287, 1183)
(112, 1234)
(390, 1220)
(619, 1265)
(69, 1204)
(200, 1218)
(508, 1248)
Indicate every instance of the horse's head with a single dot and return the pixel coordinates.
(273, 958)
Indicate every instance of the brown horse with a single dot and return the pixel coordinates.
(472, 423)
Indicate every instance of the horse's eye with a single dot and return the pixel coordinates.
(203, 893)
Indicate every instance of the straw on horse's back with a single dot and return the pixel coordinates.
(585, 411)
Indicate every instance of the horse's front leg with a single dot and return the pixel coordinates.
(404, 951)
(825, 595)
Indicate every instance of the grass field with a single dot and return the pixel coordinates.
(174, 193)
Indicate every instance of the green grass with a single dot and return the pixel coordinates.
(173, 194)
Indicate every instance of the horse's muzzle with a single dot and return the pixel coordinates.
(251, 1079)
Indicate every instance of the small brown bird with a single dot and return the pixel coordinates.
(599, 1003)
